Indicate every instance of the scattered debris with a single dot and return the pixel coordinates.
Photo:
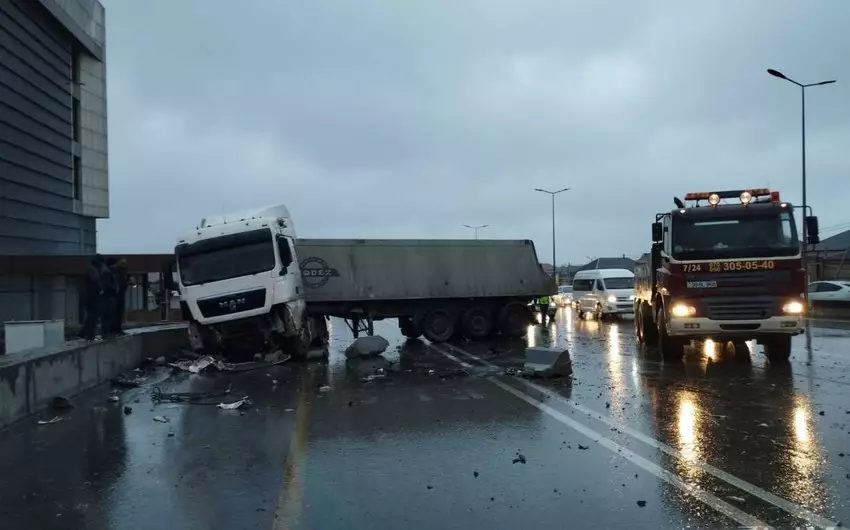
(114, 399)
(641, 503)
(736, 498)
(200, 398)
(128, 410)
(585, 448)
(122, 382)
(430, 487)
(55, 419)
(61, 403)
(233, 406)
(199, 365)
(369, 346)
(519, 459)
(822, 413)
(475, 474)
(373, 377)
(324, 388)
(161, 419)
(763, 425)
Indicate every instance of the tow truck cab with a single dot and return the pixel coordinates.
(728, 267)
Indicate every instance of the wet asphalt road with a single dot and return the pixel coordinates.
(629, 443)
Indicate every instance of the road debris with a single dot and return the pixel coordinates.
(370, 346)
(519, 459)
(198, 398)
(161, 419)
(235, 405)
(123, 382)
(324, 388)
(61, 403)
(547, 362)
(114, 399)
(128, 410)
(55, 419)
(197, 366)
(641, 503)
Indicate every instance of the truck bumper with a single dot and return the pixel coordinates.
(705, 327)
(620, 308)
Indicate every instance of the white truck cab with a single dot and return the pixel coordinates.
(238, 274)
(603, 292)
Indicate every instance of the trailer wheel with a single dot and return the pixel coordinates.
(672, 348)
(778, 348)
(514, 319)
(438, 326)
(477, 323)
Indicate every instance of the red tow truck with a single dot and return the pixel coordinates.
(727, 267)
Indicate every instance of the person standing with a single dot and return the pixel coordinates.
(93, 299)
(119, 270)
(543, 303)
(110, 296)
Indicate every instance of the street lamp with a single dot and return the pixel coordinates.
(476, 228)
(554, 262)
(803, 87)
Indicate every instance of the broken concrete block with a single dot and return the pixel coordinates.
(547, 362)
(367, 347)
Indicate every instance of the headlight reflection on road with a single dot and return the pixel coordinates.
(803, 455)
(531, 336)
(709, 349)
(615, 371)
(689, 435)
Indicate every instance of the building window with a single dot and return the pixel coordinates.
(78, 178)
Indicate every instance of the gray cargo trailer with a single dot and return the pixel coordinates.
(439, 288)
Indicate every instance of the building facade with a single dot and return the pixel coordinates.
(54, 179)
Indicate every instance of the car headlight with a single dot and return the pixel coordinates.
(683, 310)
(793, 308)
(612, 299)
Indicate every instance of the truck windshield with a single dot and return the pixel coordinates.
(224, 257)
(619, 283)
(762, 234)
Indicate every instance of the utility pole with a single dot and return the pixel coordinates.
(476, 228)
(554, 260)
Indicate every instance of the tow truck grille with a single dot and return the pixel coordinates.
(232, 303)
(751, 308)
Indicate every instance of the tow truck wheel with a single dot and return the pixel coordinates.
(672, 348)
(778, 349)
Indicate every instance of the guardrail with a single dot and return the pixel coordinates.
(830, 309)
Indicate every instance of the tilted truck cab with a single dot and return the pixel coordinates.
(727, 267)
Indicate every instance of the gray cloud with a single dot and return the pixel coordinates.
(408, 119)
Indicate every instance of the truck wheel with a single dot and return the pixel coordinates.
(638, 330)
(672, 348)
(299, 345)
(778, 348)
(647, 326)
(438, 326)
(514, 319)
(477, 323)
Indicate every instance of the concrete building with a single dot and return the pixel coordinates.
(54, 180)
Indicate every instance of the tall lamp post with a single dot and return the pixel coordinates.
(803, 87)
(554, 261)
(476, 228)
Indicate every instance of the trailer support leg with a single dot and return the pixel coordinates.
(358, 326)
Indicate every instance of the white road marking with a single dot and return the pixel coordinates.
(779, 502)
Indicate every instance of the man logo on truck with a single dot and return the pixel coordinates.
(315, 272)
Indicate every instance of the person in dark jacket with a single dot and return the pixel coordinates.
(110, 296)
(119, 269)
(93, 298)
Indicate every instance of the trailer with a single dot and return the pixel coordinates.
(436, 288)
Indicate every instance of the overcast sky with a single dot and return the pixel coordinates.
(391, 119)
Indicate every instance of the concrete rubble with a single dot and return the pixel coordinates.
(369, 346)
(547, 362)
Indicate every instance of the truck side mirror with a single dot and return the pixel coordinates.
(812, 230)
(656, 232)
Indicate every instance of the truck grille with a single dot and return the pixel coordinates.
(750, 308)
(232, 303)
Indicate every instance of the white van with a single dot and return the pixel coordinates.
(602, 292)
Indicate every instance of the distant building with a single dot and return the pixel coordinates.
(610, 263)
(838, 243)
(54, 179)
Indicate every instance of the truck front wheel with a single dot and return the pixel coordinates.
(778, 348)
(438, 326)
(672, 348)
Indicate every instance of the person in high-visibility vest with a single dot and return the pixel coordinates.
(543, 303)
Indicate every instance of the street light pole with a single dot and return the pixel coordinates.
(804, 252)
(554, 261)
(476, 228)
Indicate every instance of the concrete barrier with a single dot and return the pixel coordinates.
(29, 380)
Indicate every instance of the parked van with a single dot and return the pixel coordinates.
(602, 292)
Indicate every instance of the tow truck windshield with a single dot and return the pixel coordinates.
(752, 234)
(224, 257)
